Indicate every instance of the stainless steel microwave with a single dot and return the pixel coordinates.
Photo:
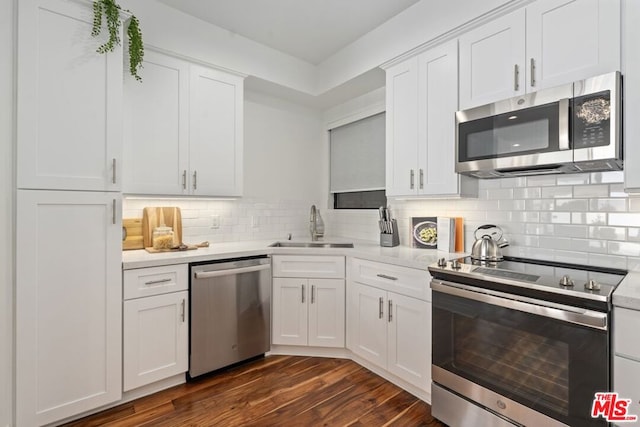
(567, 129)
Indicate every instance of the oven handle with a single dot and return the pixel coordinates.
(588, 318)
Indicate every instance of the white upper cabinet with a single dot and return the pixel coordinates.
(546, 44)
(422, 98)
(183, 130)
(492, 61)
(570, 40)
(215, 132)
(69, 107)
(155, 121)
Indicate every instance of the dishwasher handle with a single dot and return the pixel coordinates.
(218, 273)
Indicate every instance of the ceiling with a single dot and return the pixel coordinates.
(309, 30)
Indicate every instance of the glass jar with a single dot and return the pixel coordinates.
(163, 237)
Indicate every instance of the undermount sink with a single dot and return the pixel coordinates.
(310, 245)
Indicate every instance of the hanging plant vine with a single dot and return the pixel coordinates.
(110, 10)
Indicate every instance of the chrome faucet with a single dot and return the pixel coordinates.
(313, 225)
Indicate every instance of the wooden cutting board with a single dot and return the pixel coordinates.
(155, 217)
(132, 234)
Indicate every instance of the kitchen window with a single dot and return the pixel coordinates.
(357, 164)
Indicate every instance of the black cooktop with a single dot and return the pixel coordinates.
(557, 280)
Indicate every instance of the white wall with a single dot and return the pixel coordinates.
(6, 196)
(282, 150)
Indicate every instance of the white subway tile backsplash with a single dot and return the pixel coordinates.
(527, 193)
(555, 217)
(541, 181)
(557, 192)
(608, 261)
(578, 179)
(608, 205)
(540, 204)
(574, 205)
(624, 248)
(607, 177)
(608, 233)
(625, 219)
(571, 231)
(591, 191)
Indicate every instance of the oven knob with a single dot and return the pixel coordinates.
(592, 285)
(566, 282)
(455, 264)
(442, 262)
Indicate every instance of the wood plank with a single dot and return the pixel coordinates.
(275, 391)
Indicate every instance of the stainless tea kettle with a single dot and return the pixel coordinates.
(488, 243)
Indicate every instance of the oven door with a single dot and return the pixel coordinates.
(546, 358)
(522, 133)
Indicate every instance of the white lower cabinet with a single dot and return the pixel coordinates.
(626, 349)
(388, 329)
(156, 327)
(308, 311)
(68, 304)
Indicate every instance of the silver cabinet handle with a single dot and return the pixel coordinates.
(113, 165)
(421, 179)
(516, 77)
(380, 308)
(184, 179)
(411, 185)
(155, 282)
(195, 180)
(313, 294)
(113, 212)
(182, 309)
(390, 310)
(303, 294)
(384, 276)
(533, 72)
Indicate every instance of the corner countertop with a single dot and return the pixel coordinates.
(627, 294)
(399, 255)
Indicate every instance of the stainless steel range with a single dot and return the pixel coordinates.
(520, 342)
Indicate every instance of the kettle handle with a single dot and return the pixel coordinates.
(486, 227)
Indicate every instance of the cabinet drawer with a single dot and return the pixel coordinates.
(328, 267)
(625, 332)
(144, 282)
(403, 280)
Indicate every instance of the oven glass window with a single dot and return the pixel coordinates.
(533, 364)
(551, 366)
(528, 131)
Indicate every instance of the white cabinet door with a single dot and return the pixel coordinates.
(68, 304)
(326, 312)
(368, 324)
(69, 109)
(156, 131)
(155, 340)
(290, 311)
(437, 105)
(409, 350)
(402, 128)
(569, 40)
(492, 61)
(626, 377)
(215, 132)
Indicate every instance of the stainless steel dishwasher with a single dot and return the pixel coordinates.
(230, 312)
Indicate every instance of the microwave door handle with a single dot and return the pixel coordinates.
(563, 124)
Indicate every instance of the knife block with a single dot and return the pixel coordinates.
(392, 239)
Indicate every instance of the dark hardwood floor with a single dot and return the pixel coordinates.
(276, 391)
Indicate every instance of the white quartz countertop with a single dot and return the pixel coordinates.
(399, 255)
(627, 294)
